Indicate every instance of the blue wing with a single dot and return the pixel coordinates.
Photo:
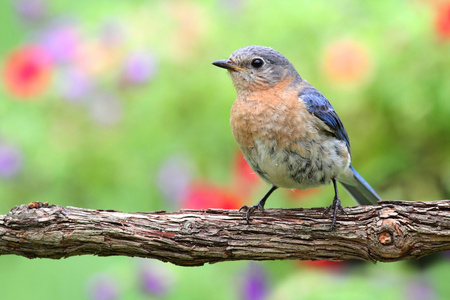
(357, 187)
(320, 107)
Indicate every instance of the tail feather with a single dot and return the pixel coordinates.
(358, 188)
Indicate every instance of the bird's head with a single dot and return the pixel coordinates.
(257, 68)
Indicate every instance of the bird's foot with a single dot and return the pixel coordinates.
(335, 206)
(250, 209)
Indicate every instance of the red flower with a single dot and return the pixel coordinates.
(324, 264)
(442, 21)
(27, 71)
(206, 195)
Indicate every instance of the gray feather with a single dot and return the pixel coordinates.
(358, 188)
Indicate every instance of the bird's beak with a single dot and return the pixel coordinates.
(227, 64)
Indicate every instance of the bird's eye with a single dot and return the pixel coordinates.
(257, 63)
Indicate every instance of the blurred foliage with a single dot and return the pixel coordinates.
(115, 105)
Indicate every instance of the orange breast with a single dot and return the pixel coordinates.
(284, 143)
(276, 114)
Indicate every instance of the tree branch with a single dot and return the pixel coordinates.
(390, 231)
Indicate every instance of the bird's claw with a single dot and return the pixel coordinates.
(250, 209)
(335, 206)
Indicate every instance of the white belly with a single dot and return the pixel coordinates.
(287, 169)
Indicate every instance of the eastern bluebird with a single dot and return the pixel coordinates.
(287, 130)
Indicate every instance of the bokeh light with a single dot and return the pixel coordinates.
(442, 21)
(103, 287)
(202, 194)
(27, 71)
(346, 61)
(120, 108)
(10, 160)
(139, 68)
(156, 279)
(255, 283)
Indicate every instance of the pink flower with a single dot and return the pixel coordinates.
(27, 71)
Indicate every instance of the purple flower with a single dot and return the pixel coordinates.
(419, 288)
(174, 178)
(155, 279)
(255, 283)
(31, 10)
(62, 41)
(102, 287)
(106, 109)
(10, 161)
(139, 68)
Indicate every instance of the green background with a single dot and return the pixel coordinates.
(395, 107)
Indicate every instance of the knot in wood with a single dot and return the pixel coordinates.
(190, 226)
(385, 238)
(390, 232)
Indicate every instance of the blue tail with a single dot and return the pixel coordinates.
(358, 188)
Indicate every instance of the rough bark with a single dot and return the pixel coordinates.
(390, 231)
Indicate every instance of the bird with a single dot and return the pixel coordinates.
(288, 131)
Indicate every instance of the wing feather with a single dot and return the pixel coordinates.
(320, 107)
